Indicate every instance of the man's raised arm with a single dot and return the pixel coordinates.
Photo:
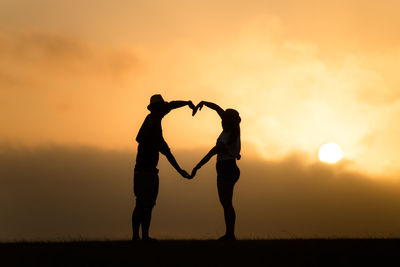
(179, 103)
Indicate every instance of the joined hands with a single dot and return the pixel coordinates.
(194, 171)
(195, 108)
(185, 174)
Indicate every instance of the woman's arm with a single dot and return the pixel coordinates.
(211, 105)
(206, 158)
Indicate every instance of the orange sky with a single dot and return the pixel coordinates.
(301, 73)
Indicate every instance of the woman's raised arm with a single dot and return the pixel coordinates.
(211, 105)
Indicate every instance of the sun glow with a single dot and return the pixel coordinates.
(330, 153)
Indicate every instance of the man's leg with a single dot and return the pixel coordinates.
(146, 220)
(151, 197)
(137, 214)
(148, 196)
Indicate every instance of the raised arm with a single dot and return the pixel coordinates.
(179, 103)
(213, 106)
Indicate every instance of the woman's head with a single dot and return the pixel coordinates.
(231, 121)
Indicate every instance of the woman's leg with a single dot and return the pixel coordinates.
(225, 193)
(136, 221)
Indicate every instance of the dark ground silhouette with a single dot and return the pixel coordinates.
(294, 252)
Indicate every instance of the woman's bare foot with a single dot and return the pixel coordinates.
(148, 238)
(135, 238)
(227, 237)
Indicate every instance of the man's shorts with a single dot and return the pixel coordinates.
(145, 187)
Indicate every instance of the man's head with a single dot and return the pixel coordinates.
(157, 103)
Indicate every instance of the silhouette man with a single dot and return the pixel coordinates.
(227, 150)
(151, 142)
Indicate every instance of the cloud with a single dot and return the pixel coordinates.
(297, 79)
(301, 99)
(46, 59)
(50, 84)
(82, 192)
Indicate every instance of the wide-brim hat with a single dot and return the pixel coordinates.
(156, 101)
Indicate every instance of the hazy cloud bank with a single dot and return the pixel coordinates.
(76, 192)
(82, 73)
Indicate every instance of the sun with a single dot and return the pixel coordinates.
(330, 153)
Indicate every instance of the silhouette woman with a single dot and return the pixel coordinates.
(228, 151)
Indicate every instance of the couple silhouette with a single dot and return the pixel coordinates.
(151, 142)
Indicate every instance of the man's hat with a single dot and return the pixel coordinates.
(156, 100)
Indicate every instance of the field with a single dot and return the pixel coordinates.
(288, 252)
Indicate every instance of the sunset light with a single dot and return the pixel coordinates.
(257, 119)
(330, 153)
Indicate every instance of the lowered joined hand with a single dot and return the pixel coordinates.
(194, 171)
(184, 174)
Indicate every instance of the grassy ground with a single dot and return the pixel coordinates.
(299, 252)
